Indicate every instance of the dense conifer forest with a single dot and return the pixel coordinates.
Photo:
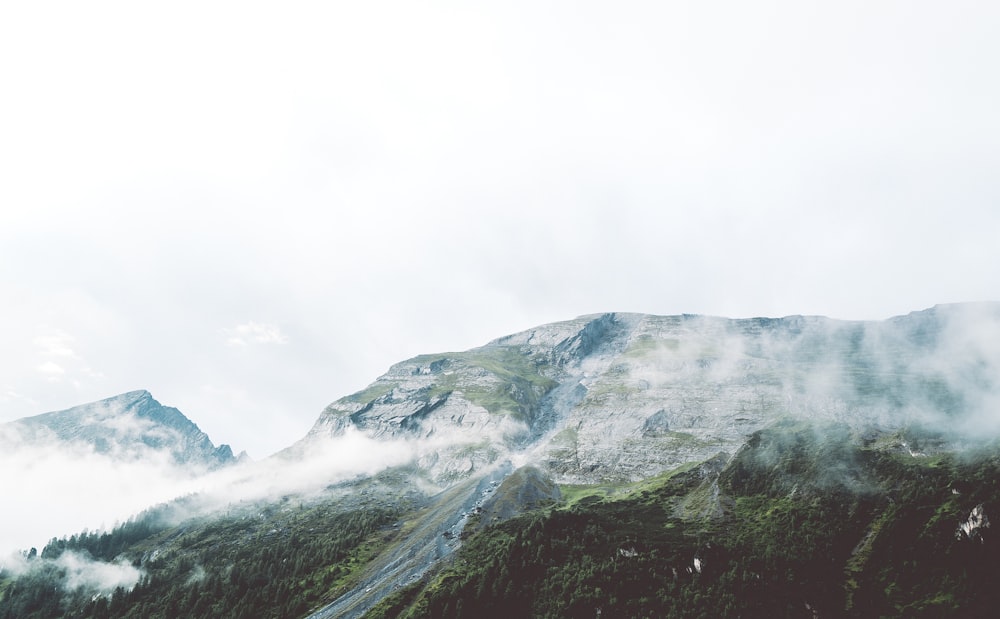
(804, 522)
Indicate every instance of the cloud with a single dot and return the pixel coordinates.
(58, 365)
(50, 368)
(57, 488)
(77, 571)
(82, 571)
(936, 368)
(56, 344)
(318, 464)
(254, 333)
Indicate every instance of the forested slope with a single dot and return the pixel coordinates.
(803, 522)
(274, 560)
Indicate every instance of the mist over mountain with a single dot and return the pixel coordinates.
(645, 465)
(98, 463)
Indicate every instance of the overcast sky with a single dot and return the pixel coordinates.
(252, 210)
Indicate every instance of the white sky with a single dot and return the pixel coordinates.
(253, 209)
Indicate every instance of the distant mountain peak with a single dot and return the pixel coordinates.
(127, 426)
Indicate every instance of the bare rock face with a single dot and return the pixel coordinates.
(620, 397)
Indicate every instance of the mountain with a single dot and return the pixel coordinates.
(622, 397)
(128, 427)
(611, 465)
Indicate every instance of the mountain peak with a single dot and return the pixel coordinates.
(127, 426)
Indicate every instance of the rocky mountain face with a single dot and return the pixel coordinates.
(621, 397)
(127, 427)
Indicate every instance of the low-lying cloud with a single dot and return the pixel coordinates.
(317, 464)
(76, 571)
(82, 571)
(62, 488)
(56, 489)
